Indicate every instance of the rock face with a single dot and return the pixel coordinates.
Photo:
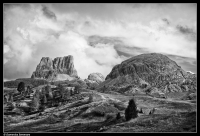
(150, 70)
(49, 69)
(98, 77)
(94, 79)
(147, 67)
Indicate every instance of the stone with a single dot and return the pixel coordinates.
(192, 96)
(139, 109)
(146, 111)
(91, 84)
(97, 77)
(93, 80)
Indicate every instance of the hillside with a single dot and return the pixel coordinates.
(149, 73)
(165, 97)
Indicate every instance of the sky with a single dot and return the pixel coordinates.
(99, 36)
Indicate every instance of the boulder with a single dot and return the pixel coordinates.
(159, 95)
(91, 84)
(97, 77)
(139, 110)
(192, 96)
(152, 90)
(147, 111)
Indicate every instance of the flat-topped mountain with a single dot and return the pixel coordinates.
(59, 67)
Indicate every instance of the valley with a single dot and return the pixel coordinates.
(98, 104)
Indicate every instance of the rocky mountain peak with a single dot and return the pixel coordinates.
(48, 68)
(98, 77)
(45, 63)
(152, 69)
(148, 64)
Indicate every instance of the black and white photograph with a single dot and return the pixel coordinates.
(99, 68)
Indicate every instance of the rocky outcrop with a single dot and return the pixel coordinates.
(147, 67)
(94, 79)
(65, 65)
(190, 96)
(150, 70)
(50, 69)
(97, 77)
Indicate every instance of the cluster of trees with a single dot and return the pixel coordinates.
(67, 90)
(72, 83)
(42, 98)
(21, 87)
(27, 81)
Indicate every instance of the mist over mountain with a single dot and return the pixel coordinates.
(89, 32)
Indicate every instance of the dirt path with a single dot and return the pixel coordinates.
(167, 100)
(106, 97)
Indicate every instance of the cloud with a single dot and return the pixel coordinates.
(185, 29)
(48, 13)
(38, 40)
(99, 36)
(188, 64)
(6, 49)
(166, 20)
(189, 32)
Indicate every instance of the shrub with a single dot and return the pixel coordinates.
(28, 90)
(118, 116)
(35, 104)
(27, 81)
(78, 88)
(110, 116)
(104, 109)
(48, 92)
(119, 105)
(92, 88)
(21, 87)
(131, 110)
(90, 98)
(98, 113)
(42, 97)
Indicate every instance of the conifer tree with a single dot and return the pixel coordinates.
(131, 110)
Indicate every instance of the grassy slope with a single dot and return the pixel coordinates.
(169, 116)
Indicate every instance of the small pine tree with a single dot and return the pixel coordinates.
(118, 116)
(90, 98)
(131, 110)
(28, 89)
(35, 102)
(48, 92)
(77, 88)
(44, 98)
(21, 87)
